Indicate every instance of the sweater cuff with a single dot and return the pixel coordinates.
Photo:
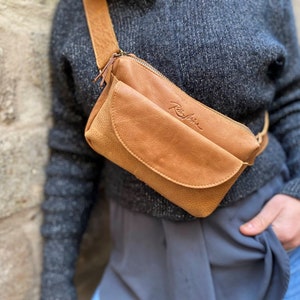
(292, 188)
(59, 261)
(57, 287)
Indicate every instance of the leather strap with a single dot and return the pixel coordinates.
(101, 30)
(262, 137)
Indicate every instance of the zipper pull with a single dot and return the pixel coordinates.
(102, 73)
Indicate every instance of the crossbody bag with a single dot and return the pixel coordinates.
(183, 149)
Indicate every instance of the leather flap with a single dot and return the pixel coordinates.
(166, 145)
(231, 135)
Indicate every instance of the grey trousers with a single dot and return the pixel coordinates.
(207, 259)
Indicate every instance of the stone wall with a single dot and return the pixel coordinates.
(297, 14)
(24, 121)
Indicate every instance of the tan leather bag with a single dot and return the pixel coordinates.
(186, 151)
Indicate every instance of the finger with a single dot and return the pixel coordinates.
(262, 220)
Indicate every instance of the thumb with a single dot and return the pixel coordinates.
(262, 220)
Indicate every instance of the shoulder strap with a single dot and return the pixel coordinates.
(101, 30)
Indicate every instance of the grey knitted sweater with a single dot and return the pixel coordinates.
(240, 57)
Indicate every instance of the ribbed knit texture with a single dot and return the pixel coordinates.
(239, 57)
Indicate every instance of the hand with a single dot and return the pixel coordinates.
(283, 213)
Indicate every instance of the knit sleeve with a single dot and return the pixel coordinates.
(285, 111)
(72, 175)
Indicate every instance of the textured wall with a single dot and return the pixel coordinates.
(297, 14)
(24, 121)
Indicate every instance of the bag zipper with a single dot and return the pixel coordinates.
(102, 74)
(147, 65)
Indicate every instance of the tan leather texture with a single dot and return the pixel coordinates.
(186, 151)
(101, 30)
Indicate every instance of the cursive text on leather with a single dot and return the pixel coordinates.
(182, 115)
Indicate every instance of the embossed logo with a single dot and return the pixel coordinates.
(181, 114)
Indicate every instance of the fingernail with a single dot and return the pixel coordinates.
(248, 225)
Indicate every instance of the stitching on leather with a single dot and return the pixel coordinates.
(116, 89)
(179, 91)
